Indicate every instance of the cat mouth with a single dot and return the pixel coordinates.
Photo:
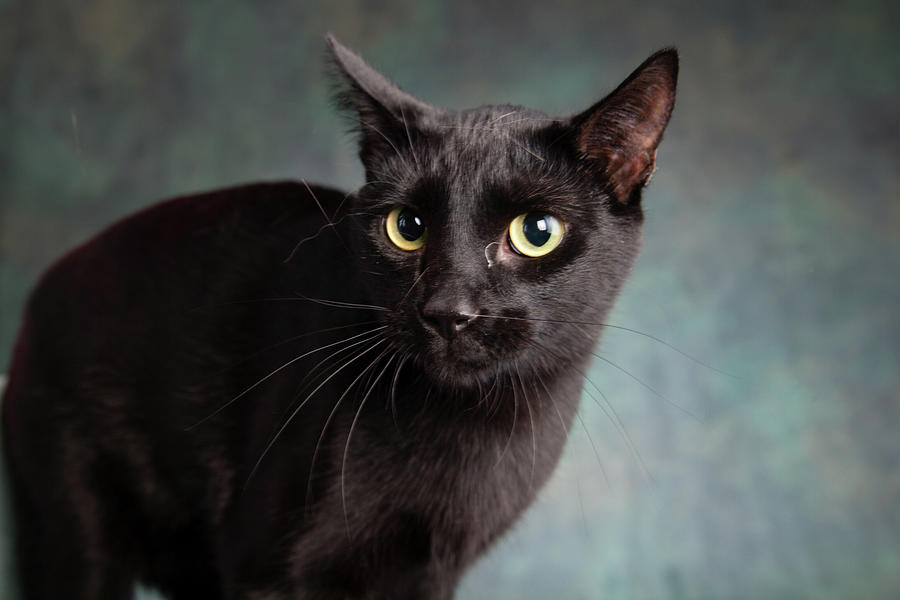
(458, 361)
(462, 355)
(470, 355)
(458, 374)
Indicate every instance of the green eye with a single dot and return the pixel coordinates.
(535, 234)
(405, 229)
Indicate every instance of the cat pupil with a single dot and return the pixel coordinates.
(536, 229)
(410, 225)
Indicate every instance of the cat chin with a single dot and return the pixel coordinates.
(459, 373)
(464, 381)
(453, 371)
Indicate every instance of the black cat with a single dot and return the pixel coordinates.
(284, 391)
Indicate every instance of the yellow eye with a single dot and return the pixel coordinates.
(405, 229)
(535, 234)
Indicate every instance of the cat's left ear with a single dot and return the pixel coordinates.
(617, 138)
(387, 114)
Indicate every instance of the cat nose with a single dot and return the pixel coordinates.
(446, 320)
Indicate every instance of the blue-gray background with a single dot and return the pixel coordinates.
(772, 247)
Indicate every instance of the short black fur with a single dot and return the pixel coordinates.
(254, 393)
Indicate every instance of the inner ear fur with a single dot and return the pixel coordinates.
(617, 138)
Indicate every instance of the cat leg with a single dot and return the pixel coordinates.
(64, 534)
(53, 561)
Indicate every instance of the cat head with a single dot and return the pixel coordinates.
(499, 236)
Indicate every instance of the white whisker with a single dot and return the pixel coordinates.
(531, 420)
(276, 371)
(350, 435)
(648, 387)
(396, 377)
(610, 412)
(611, 326)
(302, 404)
(400, 303)
(512, 429)
(597, 454)
(331, 414)
(314, 372)
(340, 304)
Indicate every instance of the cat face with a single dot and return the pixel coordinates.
(498, 237)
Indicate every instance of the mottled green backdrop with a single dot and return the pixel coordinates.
(772, 248)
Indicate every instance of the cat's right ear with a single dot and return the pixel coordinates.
(387, 115)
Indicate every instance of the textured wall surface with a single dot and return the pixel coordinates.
(772, 248)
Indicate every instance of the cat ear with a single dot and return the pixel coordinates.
(617, 137)
(387, 114)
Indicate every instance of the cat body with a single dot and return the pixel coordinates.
(285, 391)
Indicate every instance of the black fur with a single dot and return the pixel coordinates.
(252, 393)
